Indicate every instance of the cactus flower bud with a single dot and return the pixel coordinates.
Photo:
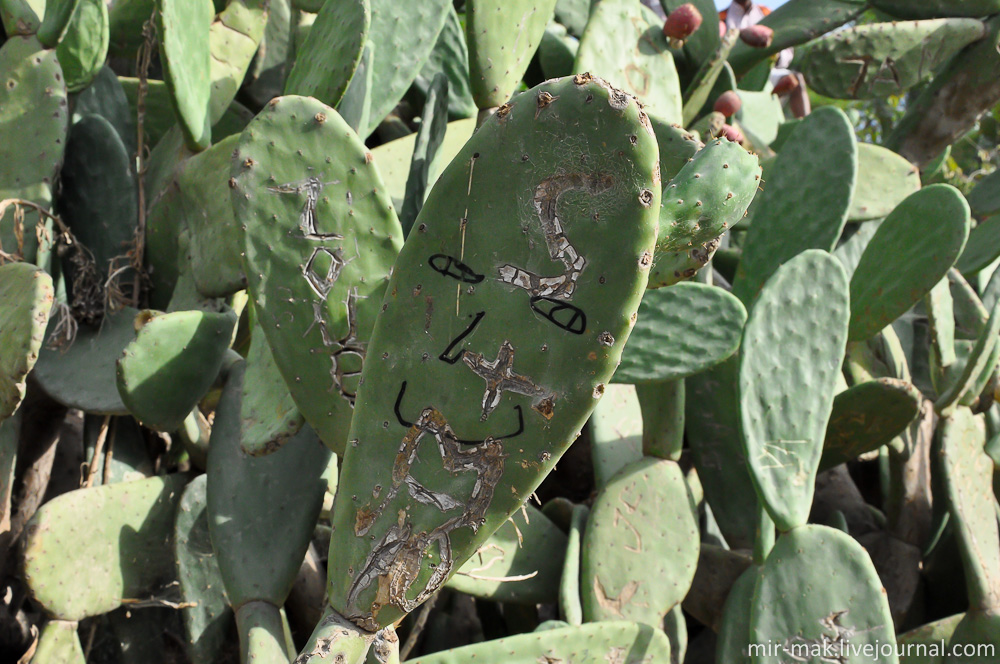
(681, 24)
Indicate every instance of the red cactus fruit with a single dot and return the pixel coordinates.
(731, 133)
(757, 36)
(728, 103)
(681, 24)
(785, 84)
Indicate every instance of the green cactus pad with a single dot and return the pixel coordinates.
(640, 549)
(327, 60)
(884, 180)
(503, 35)
(974, 639)
(912, 251)
(206, 622)
(55, 21)
(59, 643)
(701, 86)
(881, 59)
(26, 297)
(173, 361)
(81, 374)
(819, 585)
(676, 266)
(570, 605)
(451, 58)
(677, 147)
(805, 201)
(624, 43)
(557, 51)
(853, 243)
(516, 235)
(710, 194)
(84, 48)
(712, 428)
(430, 136)
(183, 30)
(933, 633)
(520, 563)
(968, 473)
(233, 40)
(760, 117)
(99, 200)
(268, 415)
(796, 22)
(984, 199)
(734, 631)
(89, 549)
(662, 406)
(215, 246)
(977, 366)
(106, 97)
(22, 17)
(269, 70)
(356, 104)
(866, 417)
(410, 28)
(594, 643)
(320, 237)
(261, 510)
(615, 432)
(982, 248)
(793, 346)
(681, 331)
(261, 632)
(393, 158)
(130, 460)
(934, 8)
(33, 123)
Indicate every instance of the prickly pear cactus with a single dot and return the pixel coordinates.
(26, 296)
(519, 308)
(320, 237)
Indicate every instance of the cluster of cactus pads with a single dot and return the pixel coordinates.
(302, 302)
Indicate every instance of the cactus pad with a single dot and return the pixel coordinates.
(25, 301)
(330, 55)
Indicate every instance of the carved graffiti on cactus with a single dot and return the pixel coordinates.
(449, 266)
(446, 355)
(347, 346)
(396, 560)
(561, 314)
(312, 187)
(397, 409)
(322, 283)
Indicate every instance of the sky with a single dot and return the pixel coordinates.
(773, 4)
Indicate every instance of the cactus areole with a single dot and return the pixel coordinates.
(505, 317)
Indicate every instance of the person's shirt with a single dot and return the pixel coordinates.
(738, 17)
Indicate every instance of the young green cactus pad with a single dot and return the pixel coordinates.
(968, 473)
(640, 549)
(207, 619)
(701, 86)
(520, 563)
(233, 40)
(25, 301)
(624, 43)
(173, 361)
(268, 415)
(320, 237)
(33, 122)
(880, 59)
(681, 331)
(794, 23)
(82, 373)
(496, 61)
(327, 60)
(712, 427)
(118, 534)
(261, 510)
(183, 31)
(866, 417)
(662, 406)
(805, 202)
(884, 180)
(59, 643)
(84, 48)
(570, 604)
(615, 432)
(410, 28)
(797, 609)
(261, 633)
(594, 643)
(793, 346)
(519, 306)
(911, 251)
(710, 194)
